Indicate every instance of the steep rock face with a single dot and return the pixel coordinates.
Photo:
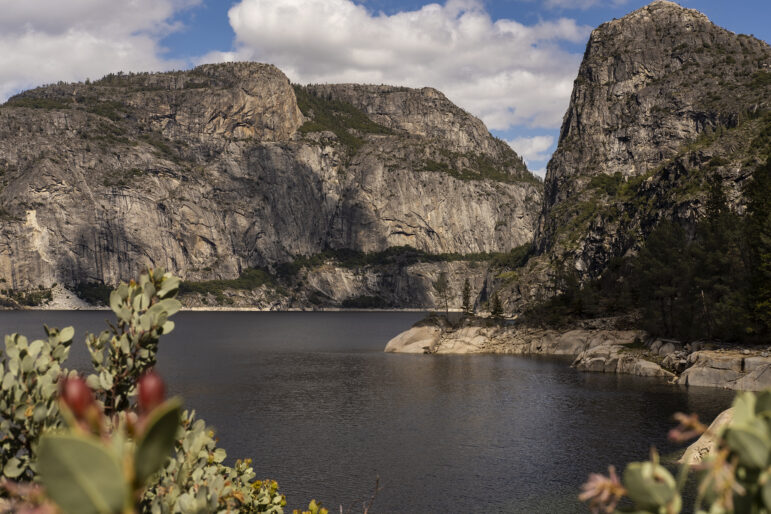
(252, 101)
(663, 100)
(214, 170)
(388, 204)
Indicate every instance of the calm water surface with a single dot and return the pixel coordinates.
(315, 402)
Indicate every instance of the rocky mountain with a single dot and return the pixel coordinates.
(263, 193)
(225, 168)
(664, 100)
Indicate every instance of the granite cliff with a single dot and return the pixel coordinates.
(664, 99)
(225, 168)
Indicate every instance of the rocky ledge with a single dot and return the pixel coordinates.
(607, 350)
(707, 443)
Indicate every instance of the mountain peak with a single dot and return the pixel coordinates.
(670, 11)
(650, 83)
(657, 3)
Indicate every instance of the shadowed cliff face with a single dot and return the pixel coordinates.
(210, 171)
(664, 99)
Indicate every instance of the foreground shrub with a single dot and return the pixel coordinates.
(735, 477)
(102, 464)
(103, 444)
(30, 373)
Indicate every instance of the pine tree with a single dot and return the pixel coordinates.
(442, 288)
(496, 309)
(758, 233)
(662, 274)
(763, 277)
(720, 276)
(467, 297)
(717, 205)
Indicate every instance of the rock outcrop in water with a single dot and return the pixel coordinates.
(594, 349)
(227, 167)
(706, 445)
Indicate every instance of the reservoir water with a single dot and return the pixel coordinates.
(318, 406)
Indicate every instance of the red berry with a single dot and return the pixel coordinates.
(151, 391)
(76, 395)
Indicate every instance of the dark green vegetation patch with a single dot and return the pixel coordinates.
(366, 302)
(95, 293)
(341, 118)
(249, 280)
(474, 166)
(112, 110)
(38, 103)
(32, 298)
(711, 282)
(401, 256)
(285, 276)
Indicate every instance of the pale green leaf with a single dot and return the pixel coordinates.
(80, 475)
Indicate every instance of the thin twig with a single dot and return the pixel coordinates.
(365, 506)
(374, 494)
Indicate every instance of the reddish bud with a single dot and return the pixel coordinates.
(151, 391)
(76, 395)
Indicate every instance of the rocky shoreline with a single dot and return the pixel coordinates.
(607, 350)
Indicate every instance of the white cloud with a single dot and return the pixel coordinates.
(535, 151)
(532, 148)
(503, 71)
(50, 40)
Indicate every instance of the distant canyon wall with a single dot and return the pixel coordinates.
(218, 169)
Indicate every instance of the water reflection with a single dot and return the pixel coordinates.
(318, 406)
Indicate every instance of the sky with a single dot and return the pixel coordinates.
(510, 62)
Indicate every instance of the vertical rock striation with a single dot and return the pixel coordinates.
(224, 167)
